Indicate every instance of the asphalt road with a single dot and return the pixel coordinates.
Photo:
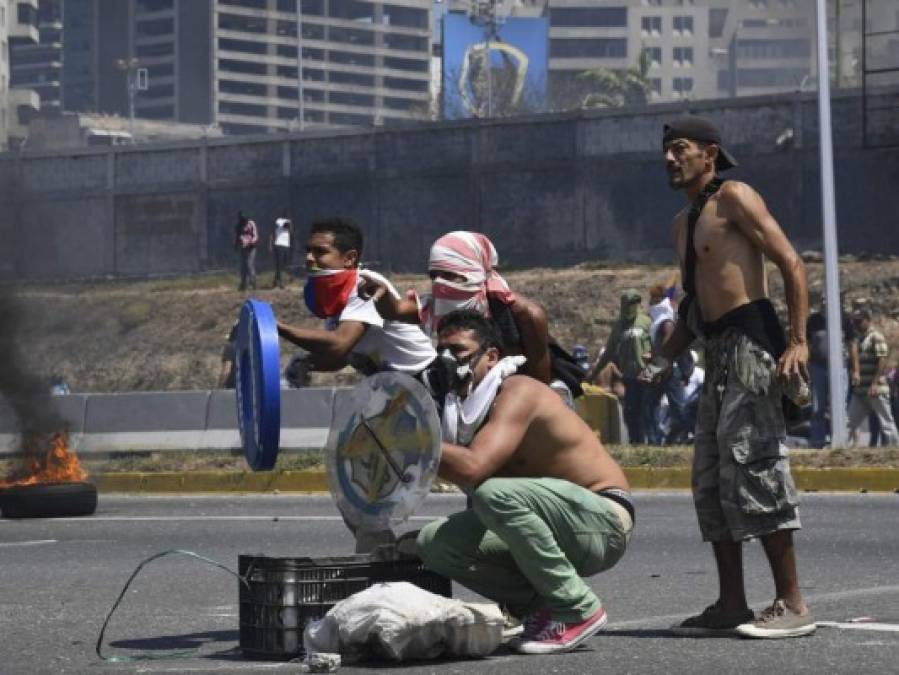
(59, 578)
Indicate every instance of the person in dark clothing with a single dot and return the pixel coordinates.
(816, 330)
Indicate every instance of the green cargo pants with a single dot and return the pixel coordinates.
(526, 543)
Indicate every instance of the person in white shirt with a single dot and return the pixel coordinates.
(683, 390)
(280, 244)
(354, 332)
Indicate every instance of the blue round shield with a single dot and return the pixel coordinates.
(258, 385)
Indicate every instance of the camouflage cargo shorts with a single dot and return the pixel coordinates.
(742, 485)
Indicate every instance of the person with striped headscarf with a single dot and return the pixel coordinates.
(462, 267)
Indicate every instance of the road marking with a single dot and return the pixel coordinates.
(36, 542)
(882, 627)
(116, 519)
(668, 619)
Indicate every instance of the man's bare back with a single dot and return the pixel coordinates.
(730, 267)
(556, 442)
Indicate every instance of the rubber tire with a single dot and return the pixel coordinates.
(49, 500)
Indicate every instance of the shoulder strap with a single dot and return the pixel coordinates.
(690, 254)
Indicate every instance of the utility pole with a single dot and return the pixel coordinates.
(133, 83)
(831, 258)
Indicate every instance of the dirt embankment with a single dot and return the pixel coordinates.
(168, 334)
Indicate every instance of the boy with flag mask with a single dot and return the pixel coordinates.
(354, 332)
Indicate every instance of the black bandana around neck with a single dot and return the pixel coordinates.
(690, 254)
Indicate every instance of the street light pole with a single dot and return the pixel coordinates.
(129, 66)
(831, 258)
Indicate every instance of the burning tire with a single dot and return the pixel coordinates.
(48, 500)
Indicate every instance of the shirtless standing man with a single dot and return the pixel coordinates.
(549, 505)
(742, 485)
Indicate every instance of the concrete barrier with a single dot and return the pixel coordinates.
(181, 420)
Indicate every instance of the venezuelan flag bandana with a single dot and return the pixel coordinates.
(328, 291)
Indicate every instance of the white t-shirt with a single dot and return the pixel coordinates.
(282, 232)
(385, 345)
(684, 391)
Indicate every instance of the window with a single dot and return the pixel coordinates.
(351, 78)
(159, 112)
(405, 84)
(597, 48)
(244, 24)
(359, 100)
(314, 7)
(351, 10)
(243, 88)
(288, 92)
(655, 56)
(682, 86)
(351, 58)
(287, 6)
(651, 26)
(161, 70)
(351, 119)
(653, 3)
(246, 46)
(405, 16)
(313, 31)
(249, 67)
(310, 54)
(288, 113)
(655, 87)
(773, 49)
(252, 4)
(683, 57)
(286, 51)
(290, 72)
(249, 109)
(717, 19)
(352, 36)
(683, 25)
(397, 103)
(154, 28)
(408, 42)
(286, 28)
(148, 6)
(313, 95)
(770, 77)
(314, 74)
(604, 17)
(160, 91)
(155, 49)
(414, 65)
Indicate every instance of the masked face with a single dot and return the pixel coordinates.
(461, 364)
(629, 311)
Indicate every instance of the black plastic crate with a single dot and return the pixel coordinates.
(283, 594)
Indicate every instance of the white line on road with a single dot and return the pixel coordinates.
(882, 627)
(116, 519)
(36, 542)
(668, 619)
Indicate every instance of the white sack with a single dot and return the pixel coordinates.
(399, 620)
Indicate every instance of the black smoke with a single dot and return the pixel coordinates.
(27, 393)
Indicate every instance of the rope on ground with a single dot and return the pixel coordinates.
(150, 656)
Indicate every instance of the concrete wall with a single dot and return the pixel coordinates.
(550, 190)
(184, 420)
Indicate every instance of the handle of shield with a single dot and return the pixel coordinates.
(258, 385)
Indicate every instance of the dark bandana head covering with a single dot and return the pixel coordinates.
(701, 129)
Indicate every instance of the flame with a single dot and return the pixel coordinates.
(58, 464)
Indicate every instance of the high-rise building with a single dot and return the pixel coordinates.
(362, 62)
(237, 63)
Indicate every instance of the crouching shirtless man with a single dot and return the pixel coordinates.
(549, 505)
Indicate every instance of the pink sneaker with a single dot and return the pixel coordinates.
(558, 636)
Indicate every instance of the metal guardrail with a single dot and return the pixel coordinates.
(179, 420)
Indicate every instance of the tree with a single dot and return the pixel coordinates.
(615, 88)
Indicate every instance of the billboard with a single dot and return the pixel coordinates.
(517, 57)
